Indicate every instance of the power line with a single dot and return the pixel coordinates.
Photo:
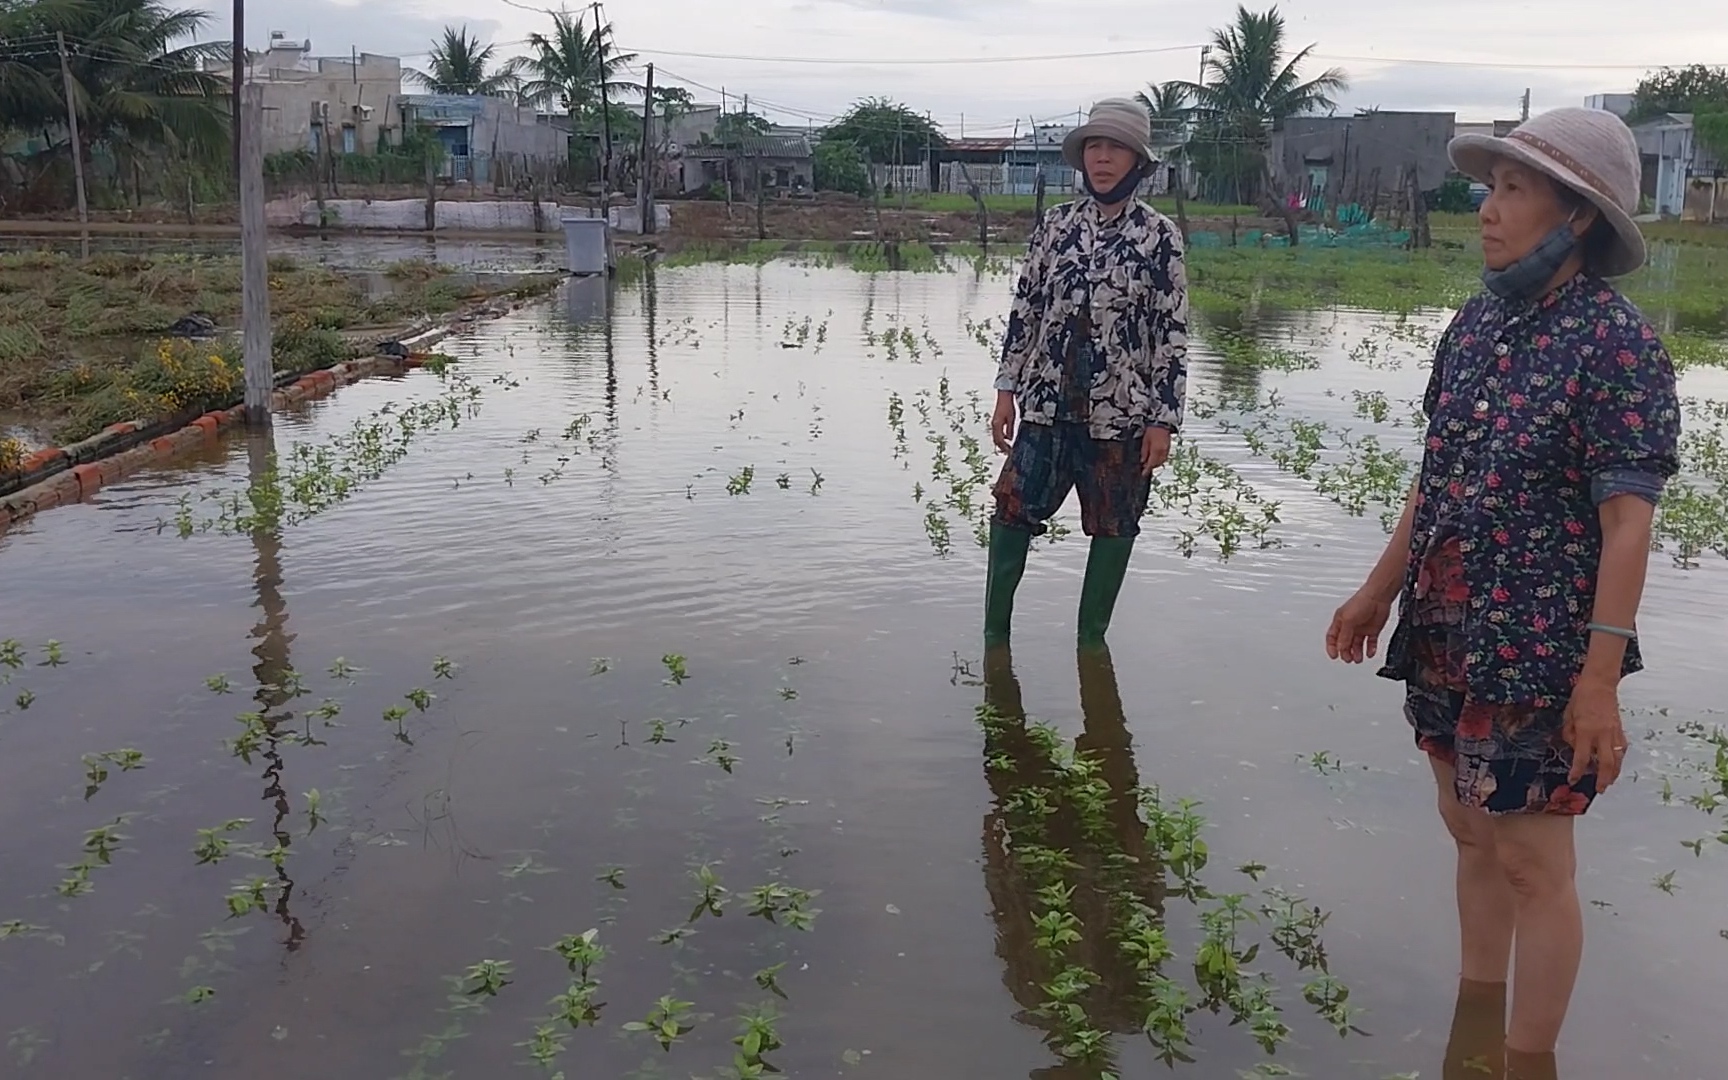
(1150, 50)
(1506, 64)
(913, 61)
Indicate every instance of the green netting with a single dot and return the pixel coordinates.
(1360, 234)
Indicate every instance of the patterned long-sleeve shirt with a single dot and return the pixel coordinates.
(1116, 284)
(1536, 411)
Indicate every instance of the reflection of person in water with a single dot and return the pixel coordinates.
(1476, 1048)
(1108, 864)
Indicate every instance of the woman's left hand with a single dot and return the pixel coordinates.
(1154, 449)
(1592, 728)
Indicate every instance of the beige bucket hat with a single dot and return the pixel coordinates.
(1588, 150)
(1121, 120)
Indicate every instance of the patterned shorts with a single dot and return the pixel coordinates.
(1510, 758)
(1050, 460)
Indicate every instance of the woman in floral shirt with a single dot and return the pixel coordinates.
(1095, 359)
(1520, 558)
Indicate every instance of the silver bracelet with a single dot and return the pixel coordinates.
(1600, 628)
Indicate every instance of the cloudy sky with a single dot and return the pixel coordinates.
(1474, 57)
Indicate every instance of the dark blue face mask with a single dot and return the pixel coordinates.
(1124, 189)
(1528, 278)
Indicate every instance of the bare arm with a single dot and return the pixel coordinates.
(1386, 580)
(1626, 526)
(1354, 634)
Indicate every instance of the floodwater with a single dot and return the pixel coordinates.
(663, 662)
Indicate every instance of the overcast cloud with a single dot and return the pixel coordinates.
(1587, 46)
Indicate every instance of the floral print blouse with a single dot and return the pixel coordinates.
(1531, 406)
(1114, 285)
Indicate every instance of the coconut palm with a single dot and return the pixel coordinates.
(570, 67)
(460, 65)
(1250, 83)
(1249, 88)
(28, 92)
(134, 86)
(1170, 105)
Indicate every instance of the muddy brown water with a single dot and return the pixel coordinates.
(836, 657)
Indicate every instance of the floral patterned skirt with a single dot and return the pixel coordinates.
(1510, 759)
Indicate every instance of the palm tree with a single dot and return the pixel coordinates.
(1249, 88)
(138, 91)
(570, 67)
(29, 94)
(459, 66)
(1170, 105)
(1250, 81)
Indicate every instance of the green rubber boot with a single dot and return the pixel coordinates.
(1008, 549)
(1106, 564)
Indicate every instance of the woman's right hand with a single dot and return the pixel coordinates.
(1002, 421)
(1356, 625)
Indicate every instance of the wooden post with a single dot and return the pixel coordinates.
(72, 130)
(876, 200)
(900, 158)
(254, 260)
(645, 162)
(1420, 236)
(761, 195)
(329, 151)
(1181, 203)
(972, 189)
(431, 195)
(318, 174)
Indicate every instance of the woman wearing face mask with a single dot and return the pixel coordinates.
(1520, 558)
(1095, 360)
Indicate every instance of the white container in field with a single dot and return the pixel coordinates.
(587, 243)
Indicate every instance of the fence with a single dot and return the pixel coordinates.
(1706, 200)
(1004, 178)
(897, 178)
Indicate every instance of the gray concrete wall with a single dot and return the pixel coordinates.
(1357, 145)
(290, 95)
(516, 132)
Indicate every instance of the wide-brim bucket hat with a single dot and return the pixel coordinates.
(1591, 151)
(1121, 120)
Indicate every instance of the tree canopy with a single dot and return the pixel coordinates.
(138, 83)
(461, 65)
(569, 67)
(733, 126)
(1696, 88)
(1250, 87)
(885, 131)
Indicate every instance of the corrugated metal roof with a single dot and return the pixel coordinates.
(979, 146)
(780, 146)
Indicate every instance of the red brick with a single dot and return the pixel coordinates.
(43, 458)
(89, 479)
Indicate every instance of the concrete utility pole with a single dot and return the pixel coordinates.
(605, 110)
(72, 129)
(254, 261)
(645, 167)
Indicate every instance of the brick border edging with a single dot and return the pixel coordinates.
(65, 475)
